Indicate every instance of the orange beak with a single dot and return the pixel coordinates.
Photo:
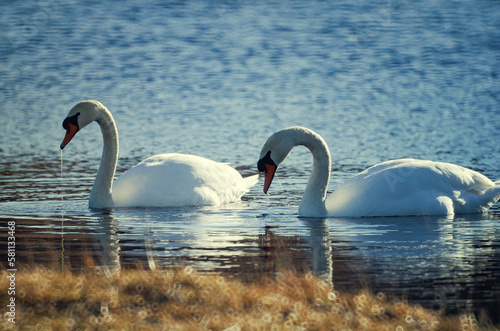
(70, 133)
(269, 175)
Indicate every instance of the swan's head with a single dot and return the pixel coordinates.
(275, 151)
(79, 117)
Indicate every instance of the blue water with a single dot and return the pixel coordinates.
(377, 79)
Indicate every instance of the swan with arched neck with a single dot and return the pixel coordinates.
(404, 187)
(164, 180)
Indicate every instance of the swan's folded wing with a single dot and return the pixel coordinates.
(410, 187)
(172, 180)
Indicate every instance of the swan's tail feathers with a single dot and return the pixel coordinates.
(478, 200)
(250, 181)
(238, 189)
(496, 188)
(490, 196)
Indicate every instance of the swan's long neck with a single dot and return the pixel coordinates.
(313, 200)
(100, 196)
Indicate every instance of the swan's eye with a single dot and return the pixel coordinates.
(71, 120)
(261, 165)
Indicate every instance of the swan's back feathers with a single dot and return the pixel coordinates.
(413, 187)
(180, 180)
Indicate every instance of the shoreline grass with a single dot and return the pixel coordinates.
(184, 299)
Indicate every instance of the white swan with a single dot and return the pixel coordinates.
(394, 188)
(163, 180)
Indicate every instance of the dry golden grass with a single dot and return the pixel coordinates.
(189, 300)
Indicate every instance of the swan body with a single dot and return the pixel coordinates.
(405, 187)
(163, 180)
(183, 180)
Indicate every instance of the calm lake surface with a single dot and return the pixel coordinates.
(377, 79)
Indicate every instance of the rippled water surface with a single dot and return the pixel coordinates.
(377, 79)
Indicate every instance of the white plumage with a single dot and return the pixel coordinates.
(413, 187)
(180, 180)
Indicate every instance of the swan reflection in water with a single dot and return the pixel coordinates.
(108, 243)
(387, 250)
(450, 261)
